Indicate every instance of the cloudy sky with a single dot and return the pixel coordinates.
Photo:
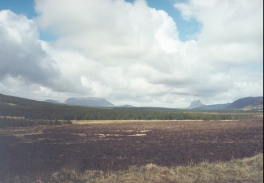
(140, 52)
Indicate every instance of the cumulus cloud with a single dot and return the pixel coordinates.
(110, 31)
(25, 65)
(21, 53)
(229, 28)
(130, 53)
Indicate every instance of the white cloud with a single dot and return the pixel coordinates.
(21, 53)
(231, 30)
(131, 53)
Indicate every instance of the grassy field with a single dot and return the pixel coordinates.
(237, 170)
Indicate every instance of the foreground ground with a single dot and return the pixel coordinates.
(117, 146)
(237, 170)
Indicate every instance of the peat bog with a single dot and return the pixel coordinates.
(115, 146)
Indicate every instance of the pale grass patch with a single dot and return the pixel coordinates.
(237, 170)
(12, 117)
(120, 135)
(143, 131)
(137, 135)
(84, 122)
(22, 131)
(243, 171)
(11, 104)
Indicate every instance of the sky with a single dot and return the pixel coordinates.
(159, 53)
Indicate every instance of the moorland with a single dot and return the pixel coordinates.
(43, 142)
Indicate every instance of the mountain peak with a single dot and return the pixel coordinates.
(196, 103)
(89, 101)
(51, 101)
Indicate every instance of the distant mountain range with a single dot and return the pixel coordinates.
(126, 106)
(212, 107)
(247, 103)
(85, 101)
(51, 101)
(89, 101)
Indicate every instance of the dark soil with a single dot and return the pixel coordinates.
(115, 146)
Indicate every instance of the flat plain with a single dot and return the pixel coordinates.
(116, 145)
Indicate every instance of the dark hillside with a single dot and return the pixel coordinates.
(17, 101)
(30, 109)
(245, 102)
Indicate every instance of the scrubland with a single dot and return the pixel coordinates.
(134, 151)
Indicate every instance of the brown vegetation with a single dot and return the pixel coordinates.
(117, 146)
(236, 170)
